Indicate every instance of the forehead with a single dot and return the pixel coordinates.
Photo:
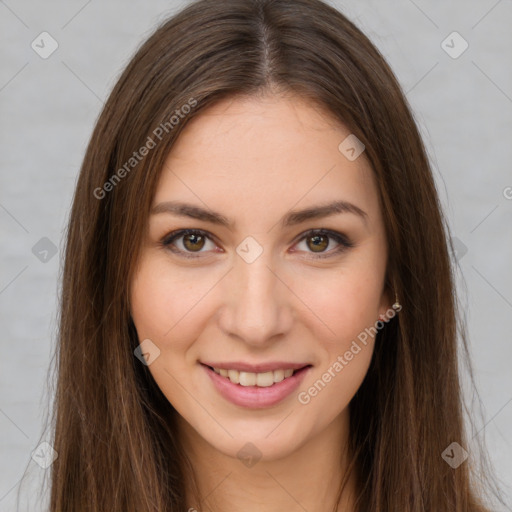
(261, 156)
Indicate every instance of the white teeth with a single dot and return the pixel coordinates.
(263, 380)
(278, 375)
(234, 376)
(247, 379)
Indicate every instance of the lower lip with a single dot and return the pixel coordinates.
(256, 397)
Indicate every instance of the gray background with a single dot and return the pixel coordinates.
(463, 107)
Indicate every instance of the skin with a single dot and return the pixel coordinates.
(253, 160)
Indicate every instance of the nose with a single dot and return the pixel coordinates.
(256, 307)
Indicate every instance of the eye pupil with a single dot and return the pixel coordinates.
(317, 244)
(194, 238)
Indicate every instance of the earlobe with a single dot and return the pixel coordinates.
(397, 306)
(385, 302)
(390, 308)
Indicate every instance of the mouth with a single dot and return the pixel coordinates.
(258, 379)
(256, 390)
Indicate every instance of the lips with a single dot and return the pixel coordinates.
(256, 389)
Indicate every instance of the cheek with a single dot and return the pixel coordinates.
(346, 307)
(343, 302)
(330, 391)
(163, 301)
(161, 306)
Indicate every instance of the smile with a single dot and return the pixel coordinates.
(263, 380)
(256, 390)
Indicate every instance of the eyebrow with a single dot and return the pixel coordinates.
(291, 219)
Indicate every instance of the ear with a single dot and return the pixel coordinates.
(386, 301)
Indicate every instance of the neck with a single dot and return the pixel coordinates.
(309, 478)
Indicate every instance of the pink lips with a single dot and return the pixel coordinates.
(256, 397)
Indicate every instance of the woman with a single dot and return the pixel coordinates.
(258, 308)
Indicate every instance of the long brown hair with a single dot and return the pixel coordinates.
(114, 430)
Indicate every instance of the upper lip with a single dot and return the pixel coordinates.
(256, 368)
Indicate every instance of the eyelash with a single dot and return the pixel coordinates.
(345, 244)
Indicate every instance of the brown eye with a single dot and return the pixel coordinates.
(193, 242)
(189, 243)
(318, 242)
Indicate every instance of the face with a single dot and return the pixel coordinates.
(263, 281)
